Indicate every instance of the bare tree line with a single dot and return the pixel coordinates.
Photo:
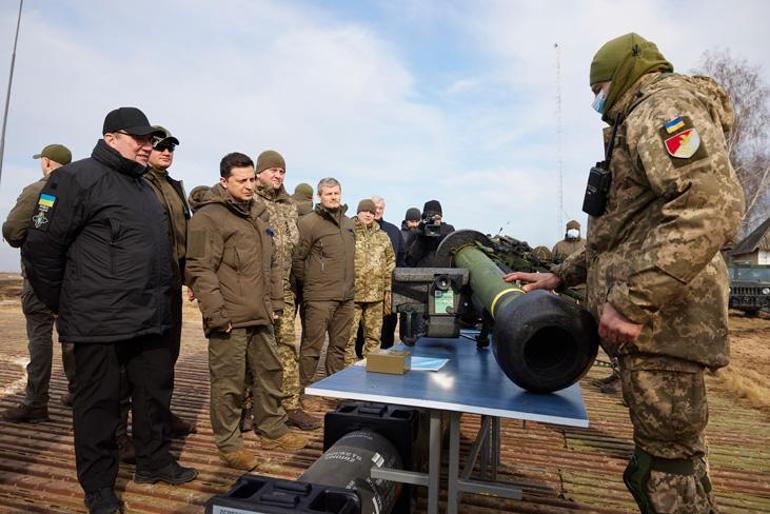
(748, 141)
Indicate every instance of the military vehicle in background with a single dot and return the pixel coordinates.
(749, 288)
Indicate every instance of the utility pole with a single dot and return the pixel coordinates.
(559, 219)
(8, 93)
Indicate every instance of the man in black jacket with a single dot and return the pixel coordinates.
(97, 255)
(430, 232)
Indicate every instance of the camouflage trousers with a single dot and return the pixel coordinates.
(288, 353)
(369, 314)
(667, 404)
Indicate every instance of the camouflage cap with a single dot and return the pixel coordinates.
(573, 224)
(57, 153)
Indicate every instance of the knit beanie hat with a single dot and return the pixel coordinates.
(623, 61)
(304, 190)
(431, 208)
(366, 205)
(270, 159)
(412, 214)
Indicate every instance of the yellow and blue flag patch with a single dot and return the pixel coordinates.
(674, 125)
(46, 200)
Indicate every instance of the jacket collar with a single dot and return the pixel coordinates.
(274, 195)
(110, 157)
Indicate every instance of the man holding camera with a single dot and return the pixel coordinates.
(431, 231)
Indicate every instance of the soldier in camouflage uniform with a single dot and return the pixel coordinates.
(656, 280)
(271, 171)
(303, 198)
(374, 264)
(571, 243)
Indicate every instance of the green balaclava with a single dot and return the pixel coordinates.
(623, 60)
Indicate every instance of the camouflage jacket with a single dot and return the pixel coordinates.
(674, 201)
(375, 262)
(565, 248)
(283, 221)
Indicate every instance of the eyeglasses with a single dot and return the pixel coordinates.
(162, 147)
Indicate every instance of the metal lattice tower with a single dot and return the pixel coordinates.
(559, 218)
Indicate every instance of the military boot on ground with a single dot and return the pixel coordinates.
(126, 451)
(239, 459)
(311, 403)
(302, 420)
(288, 441)
(103, 501)
(180, 427)
(172, 473)
(24, 414)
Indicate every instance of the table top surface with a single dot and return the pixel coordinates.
(470, 382)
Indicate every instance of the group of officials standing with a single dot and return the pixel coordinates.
(107, 244)
(105, 256)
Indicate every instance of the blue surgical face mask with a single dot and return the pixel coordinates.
(598, 103)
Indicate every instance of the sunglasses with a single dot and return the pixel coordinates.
(162, 147)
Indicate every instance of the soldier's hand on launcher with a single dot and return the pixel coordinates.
(615, 328)
(532, 281)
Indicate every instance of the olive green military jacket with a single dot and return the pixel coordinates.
(283, 221)
(231, 266)
(324, 260)
(171, 195)
(674, 202)
(374, 260)
(20, 216)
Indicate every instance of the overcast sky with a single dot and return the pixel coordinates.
(411, 100)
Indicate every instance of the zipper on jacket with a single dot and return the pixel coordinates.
(114, 235)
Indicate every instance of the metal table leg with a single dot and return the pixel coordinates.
(453, 492)
(434, 461)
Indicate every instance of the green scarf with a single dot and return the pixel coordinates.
(622, 61)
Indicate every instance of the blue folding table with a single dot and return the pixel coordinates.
(471, 382)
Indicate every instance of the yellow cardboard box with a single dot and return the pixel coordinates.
(395, 363)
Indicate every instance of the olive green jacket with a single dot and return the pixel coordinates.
(231, 266)
(20, 216)
(324, 260)
(674, 201)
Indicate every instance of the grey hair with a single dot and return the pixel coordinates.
(378, 199)
(328, 181)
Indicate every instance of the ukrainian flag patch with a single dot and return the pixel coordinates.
(46, 200)
(674, 125)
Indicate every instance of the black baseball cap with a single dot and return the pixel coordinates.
(131, 121)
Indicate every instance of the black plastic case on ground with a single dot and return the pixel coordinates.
(254, 494)
(397, 424)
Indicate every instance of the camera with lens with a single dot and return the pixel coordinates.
(431, 225)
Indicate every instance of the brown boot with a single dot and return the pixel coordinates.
(288, 441)
(239, 459)
(180, 427)
(24, 414)
(302, 420)
(126, 451)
